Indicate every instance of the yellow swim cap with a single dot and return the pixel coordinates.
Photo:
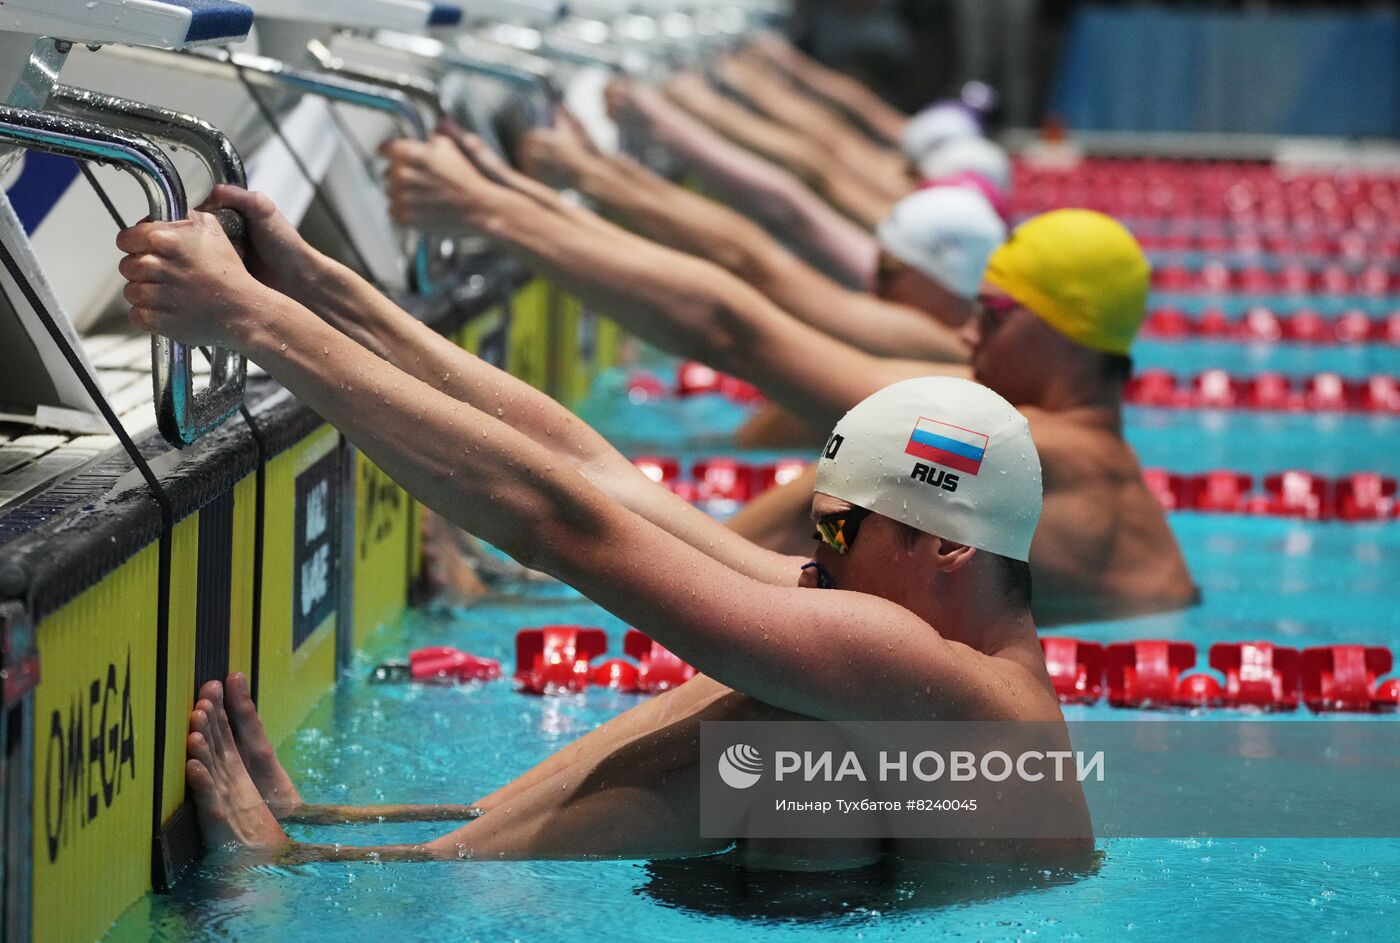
(1082, 272)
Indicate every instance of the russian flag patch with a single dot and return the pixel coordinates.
(947, 445)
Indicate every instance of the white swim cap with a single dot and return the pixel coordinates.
(943, 455)
(947, 233)
(935, 125)
(977, 155)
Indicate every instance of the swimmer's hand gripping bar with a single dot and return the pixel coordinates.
(182, 416)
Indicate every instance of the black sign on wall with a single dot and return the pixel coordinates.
(315, 552)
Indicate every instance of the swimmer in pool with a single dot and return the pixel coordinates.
(925, 615)
(1059, 305)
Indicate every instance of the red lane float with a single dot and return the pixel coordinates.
(720, 479)
(554, 659)
(1363, 496)
(1147, 673)
(1343, 677)
(1162, 673)
(692, 379)
(1218, 206)
(1262, 325)
(658, 668)
(1257, 674)
(559, 659)
(1217, 278)
(695, 379)
(1076, 668)
(1218, 389)
(444, 664)
(616, 673)
(725, 479)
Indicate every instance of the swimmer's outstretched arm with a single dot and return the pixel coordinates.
(683, 304)
(847, 191)
(766, 192)
(285, 262)
(884, 168)
(654, 207)
(847, 92)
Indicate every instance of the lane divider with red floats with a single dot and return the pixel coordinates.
(1363, 496)
(1247, 196)
(1148, 673)
(1158, 673)
(692, 379)
(1260, 324)
(1219, 389)
(1356, 246)
(720, 479)
(1333, 279)
(553, 659)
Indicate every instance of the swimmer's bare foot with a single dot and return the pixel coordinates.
(259, 758)
(231, 812)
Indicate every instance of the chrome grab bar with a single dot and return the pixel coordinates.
(169, 360)
(273, 75)
(421, 91)
(470, 54)
(175, 128)
(182, 416)
(261, 72)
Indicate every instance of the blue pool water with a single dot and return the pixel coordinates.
(1294, 582)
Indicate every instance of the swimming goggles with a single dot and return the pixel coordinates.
(838, 530)
(996, 308)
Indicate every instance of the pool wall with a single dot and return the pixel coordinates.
(284, 549)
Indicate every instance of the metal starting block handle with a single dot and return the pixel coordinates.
(181, 414)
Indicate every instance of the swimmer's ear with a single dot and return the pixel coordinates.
(951, 556)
